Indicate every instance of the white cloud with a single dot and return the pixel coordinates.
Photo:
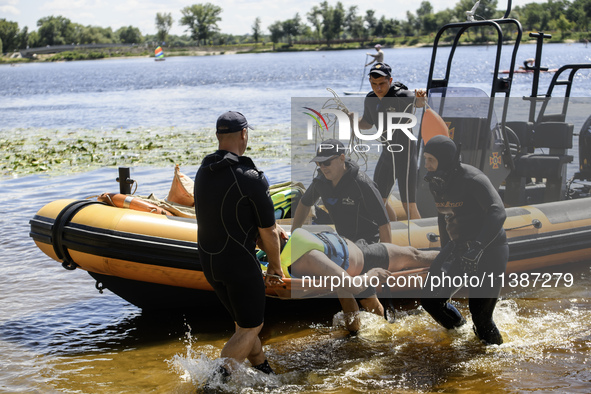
(9, 9)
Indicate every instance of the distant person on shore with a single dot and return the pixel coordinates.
(233, 209)
(378, 57)
(393, 164)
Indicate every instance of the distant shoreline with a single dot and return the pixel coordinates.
(145, 52)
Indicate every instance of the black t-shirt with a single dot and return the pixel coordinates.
(354, 204)
(397, 99)
(231, 201)
(470, 208)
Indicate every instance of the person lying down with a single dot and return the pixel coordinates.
(328, 254)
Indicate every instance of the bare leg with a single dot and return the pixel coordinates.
(407, 257)
(351, 311)
(373, 305)
(412, 212)
(245, 343)
(390, 209)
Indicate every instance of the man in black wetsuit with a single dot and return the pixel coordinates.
(473, 242)
(233, 206)
(401, 158)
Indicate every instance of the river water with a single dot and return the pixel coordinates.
(59, 334)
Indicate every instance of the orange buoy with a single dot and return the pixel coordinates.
(130, 202)
(432, 125)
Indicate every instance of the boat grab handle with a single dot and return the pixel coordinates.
(432, 237)
(535, 222)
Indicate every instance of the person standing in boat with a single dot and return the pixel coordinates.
(378, 57)
(473, 242)
(233, 208)
(399, 161)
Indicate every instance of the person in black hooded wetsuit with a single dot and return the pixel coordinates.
(473, 242)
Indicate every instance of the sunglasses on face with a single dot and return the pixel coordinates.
(326, 163)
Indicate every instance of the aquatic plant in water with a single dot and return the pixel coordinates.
(28, 151)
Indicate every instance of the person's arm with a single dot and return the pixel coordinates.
(363, 125)
(373, 61)
(490, 201)
(301, 213)
(366, 122)
(386, 233)
(303, 209)
(443, 235)
(269, 243)
(375, 207)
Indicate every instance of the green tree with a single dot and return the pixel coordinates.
(93, 35)
(164, 23)
(333, 19)
(579, 13)
(562, 24)
(387, 27)
(9, 35)
(314, 18)
(371, 20)
(354, 23)
(256, 29)
(55, 30)
(292, 28)
(411, 25)
(535, 16)
(276, 30)
(426, 18)
(129, 35)
(201, 20)
(424, 9)
(23, 38)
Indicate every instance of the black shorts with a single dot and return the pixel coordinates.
(374, 255)
(396, 165)
(242, 294)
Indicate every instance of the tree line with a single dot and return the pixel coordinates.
(325, 22)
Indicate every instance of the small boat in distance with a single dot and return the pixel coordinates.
(159, 54)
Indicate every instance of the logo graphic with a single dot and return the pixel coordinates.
(495, 160)
(348, 201)
(316, 118)
(451, 130)
(394, 121)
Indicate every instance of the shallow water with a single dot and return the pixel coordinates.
(59, 334)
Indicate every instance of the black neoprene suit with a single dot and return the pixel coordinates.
(232, 201)
(398, 99)
(470, 209)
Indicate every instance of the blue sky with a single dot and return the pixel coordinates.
(237, 16)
